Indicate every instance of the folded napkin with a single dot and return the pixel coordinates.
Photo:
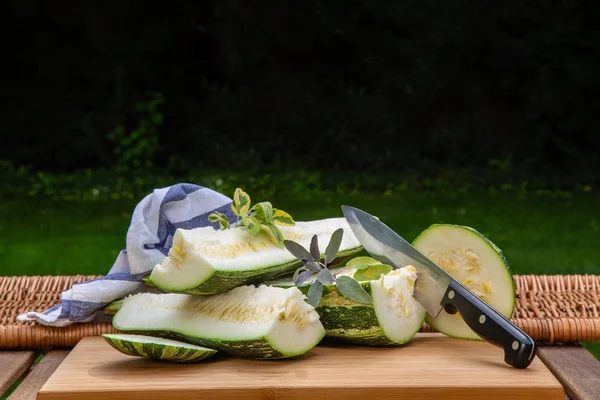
(149, 238)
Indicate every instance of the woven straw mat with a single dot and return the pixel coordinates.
(550, 308)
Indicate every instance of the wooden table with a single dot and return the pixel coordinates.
(574, 367)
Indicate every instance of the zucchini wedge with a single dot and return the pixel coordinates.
(262, 322)
(209, 261)
(393, 317)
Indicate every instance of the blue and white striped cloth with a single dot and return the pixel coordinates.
(148, 241)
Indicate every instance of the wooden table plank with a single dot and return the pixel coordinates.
(575, 368)
(12, 365)
(30, 386)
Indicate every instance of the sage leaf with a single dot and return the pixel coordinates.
(312, 266)
(282, 218)
(241, 203)
(325, 277)
(263, 212)
(295, 276)
(251, 224)
(372, 272)
(277, 233)
(314, 249)
(298, 251)
(352, 290)
(302, 276)
(314, 293)
(361, 262)
(334, 245)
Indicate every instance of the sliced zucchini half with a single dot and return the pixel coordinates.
(210, 261)
(262, 322)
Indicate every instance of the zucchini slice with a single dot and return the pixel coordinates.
(472, 259)
(209, 261)
(393, 317)
(158, 348)
(246, 322)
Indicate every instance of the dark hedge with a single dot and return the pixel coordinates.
(354, 85)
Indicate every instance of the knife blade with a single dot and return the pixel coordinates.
(435, 289)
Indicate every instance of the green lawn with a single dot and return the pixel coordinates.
(539, 234)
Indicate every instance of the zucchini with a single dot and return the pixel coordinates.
(158, 348)
(472, 259)
(393, 317)
(246, 322)
(209, 261)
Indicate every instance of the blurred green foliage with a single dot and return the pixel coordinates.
(362, 85)
(304, 184)
(134, 151)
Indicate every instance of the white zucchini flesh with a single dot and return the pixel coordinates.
(209, 261)
(401, 316)
(247, 322)
(472, 259)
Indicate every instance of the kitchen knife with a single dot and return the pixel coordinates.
(436, 290)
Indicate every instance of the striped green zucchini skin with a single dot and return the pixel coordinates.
(149, 347)
(351, 322)
(259, 349)
(354, 324)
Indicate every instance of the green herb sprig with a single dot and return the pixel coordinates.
(254, 218)
(313, 264)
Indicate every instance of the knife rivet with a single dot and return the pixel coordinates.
(482, 319)
(451, 294)
(515, 345)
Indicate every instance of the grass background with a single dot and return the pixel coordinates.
(539, 233)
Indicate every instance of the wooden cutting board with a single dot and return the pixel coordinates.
(432, 366)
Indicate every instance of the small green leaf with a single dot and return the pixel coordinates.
(362, 262)
(372, 272)
(241, 203)
(325, 277)
(263, 212)
(223, 222)
(251, 224)
(220, 218)
(352, 290)
(314, 293)
(277, 233)
(282, 218)
(298, 251)
(334, 245)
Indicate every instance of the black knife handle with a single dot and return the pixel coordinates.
(493, 327)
